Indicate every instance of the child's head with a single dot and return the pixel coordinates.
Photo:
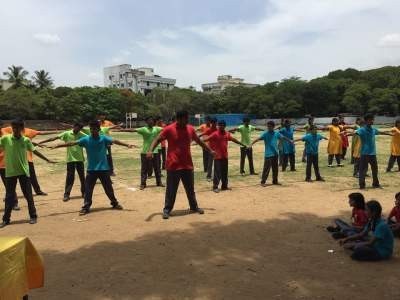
(310, 120)
(221, 125)
(335, 121)
(396, 123)
(149, 121)
(270, 125)
(374, 209)
(213, 122)
(357, 200)
(182, 117)
(286, 123)
(94, 127)
(246, 121)
(77, 127)
(397, 199)
(17, 126)
(207, 119)
(313, 129)
(369, 119)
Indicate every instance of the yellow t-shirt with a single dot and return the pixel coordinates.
(395, 145)
(335, 140)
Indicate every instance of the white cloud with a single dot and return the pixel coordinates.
(390, 40)
(47, 38)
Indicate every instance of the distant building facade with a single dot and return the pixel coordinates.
(5, 84)
(140, 80)
(223, 82)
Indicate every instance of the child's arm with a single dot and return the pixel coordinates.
(233, 130)
(357, 236)
(64, 145)
(385, 133)
(48, 140)
(120, 143)
(40, 155)
(202, 144)
(237, 142)
(255, 141)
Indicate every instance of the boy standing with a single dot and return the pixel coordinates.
(394, 147)
(270, 138)
(219, 144)
(210, 160)
(202, 129)
(75, 159)
(245, 131)
(98, 168)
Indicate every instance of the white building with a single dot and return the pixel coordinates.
(141, 80)
(224, 81)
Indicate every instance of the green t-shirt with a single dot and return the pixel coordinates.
(16, 154)
(149, 134)
(103, 130)
(245, 132)
(74, 153)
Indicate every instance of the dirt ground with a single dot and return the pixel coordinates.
(251, 243)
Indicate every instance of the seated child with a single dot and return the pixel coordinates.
(394, 216)
(358, 218)
(378, 245)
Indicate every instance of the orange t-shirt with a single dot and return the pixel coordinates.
(28, 132)
(107, 123)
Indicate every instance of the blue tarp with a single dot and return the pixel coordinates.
(230, 119)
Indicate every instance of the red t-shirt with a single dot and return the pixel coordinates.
(359, 217)
(179, 139)
(210, 130)
(219, 143)
(395, 213)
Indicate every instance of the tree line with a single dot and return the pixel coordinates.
(341, 91)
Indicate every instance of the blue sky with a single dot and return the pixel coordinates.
(195, 41)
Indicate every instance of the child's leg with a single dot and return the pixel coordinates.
(80, 168)
(342, 225)
(363, 167)
(275, 169)
(330, 159)
(11, 183)
(90, 182)
(217, 173)
(285, 159)
(224, 173)
(374, 168)
(210, 165)
(266, 169)
(365, 253)
(243, 153)
(107, 186)
(338, 157)
(292, 161)
(251, 164)
(26, 187)
(390, 163)
(157, 168)
(398, 162)
(143, 169)
(308, 166)
(316, 167)
(356, 169)
(69, 180)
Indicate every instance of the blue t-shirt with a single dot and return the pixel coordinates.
(312, 142)
(96, 151)
(270, 139)
(384, 239)
(287, 147)
(367, 138)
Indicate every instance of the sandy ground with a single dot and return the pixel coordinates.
(251, 243)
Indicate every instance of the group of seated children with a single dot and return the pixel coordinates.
(369, 236)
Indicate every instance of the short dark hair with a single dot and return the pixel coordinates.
(207, 118)
(271, 123)
(359, 201)
(213, 120)
(221, 123)
(148, 118)
(182, 114)
(78, 124)
(374, 206)
(312, 127)
(368, 117)
(246, 119)
(94, 124)
(18, 122)
(335, 120)
(395, 122)
(397, 195)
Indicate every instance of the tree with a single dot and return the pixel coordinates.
(356, 98)
(42, 80)
(17, 76)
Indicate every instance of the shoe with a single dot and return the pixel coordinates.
(332, 229)
(83, 211)
(209, 179)
(4, 224)
(330, 166)
(16, 207)
(308, 180)
(142, 187)
(66, 198)
(378, 186)
(263, 184)
(33, 221)
(356, 176)
(254, 173)
(226, 189)
(216, 190)
(340, 165)
(338, 235)
(113, 174)
(198, 210)
(243, 173)
(320, 179)
(294, 170)
(161, 185)
(276, 183)
(83, 196)
(150, 176)
(165, 215)
(117, 206)
(41, 193)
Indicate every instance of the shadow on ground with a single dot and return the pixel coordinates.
(285, 258)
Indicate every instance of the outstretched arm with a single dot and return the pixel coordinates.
(202, 144)
(255, 141)
(153, 145)
(64, 145)
(287, 139)
(237, 142)
(49, 132)
(385, 133)
(233, 130)
(48, 140)
(40, 155)
(118, 142)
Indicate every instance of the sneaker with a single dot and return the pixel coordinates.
(198, 210)
(41, 193)
(330, 166)
(209, 179)
(263, 184)
(332, 229)
(308, 180)
(33, 221)
(83, 211)
(243, 173)
(117, 206)
(378, 186)
(340, 165)
(338, 235)
(320, 179)
(4, 224)
(254, 173)
(16, 207)
(276, 183)
(216, 190)
(66, 198)
(142, 187)
(161, 185)
(165, 215)
(113, 174)
(226, 189)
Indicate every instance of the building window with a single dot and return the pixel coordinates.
(110, 77)
(148, 83)
(120, 76)
(129, 83)
(122, 85)
(158, 84)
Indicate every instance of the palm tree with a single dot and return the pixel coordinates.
(42, 79)
(16, 75)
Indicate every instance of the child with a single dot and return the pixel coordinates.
(270, 138)
(16, 147)
(75, 159)
(359, 218)
(311, 140)
(368, 151)
(345, 139)
(218, 141)
(245, 131)
(98, 168)
(310, 122)
(395, 147)
(210, 160)
(394, 216)
(288, 148)
(202, 129)
(357, 125)
(335, 143)
(377, 247)
(163, 149)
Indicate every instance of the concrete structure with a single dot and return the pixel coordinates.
(5, 84)
(223, 82)
(141, 80)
